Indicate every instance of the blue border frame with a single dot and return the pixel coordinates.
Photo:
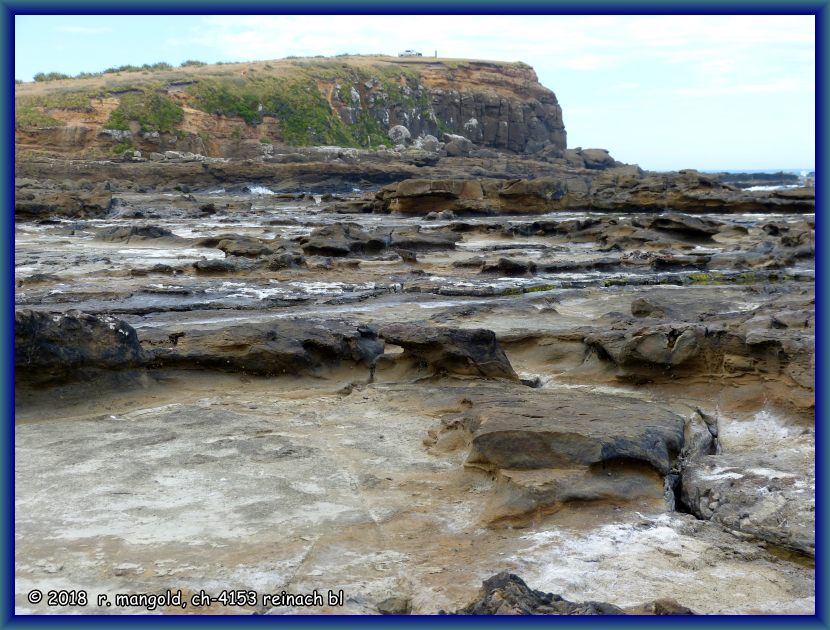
(8, 9)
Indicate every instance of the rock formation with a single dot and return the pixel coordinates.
(507, 594)
(348, 101)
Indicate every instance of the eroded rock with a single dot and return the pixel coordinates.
(753, 492)
(451, 350)
(285, 346)
(507, 594)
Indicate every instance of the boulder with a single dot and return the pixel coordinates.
(419, 157)
(643, 307)
(660, 347)
(597, 159)
(428, 143)
(129, 233)
(52, 347)
(507, 594)
(284, 260)
(457, 146)
(399, 134)
(239, 245)
(473, 352)
(341, 239)
(533, 429)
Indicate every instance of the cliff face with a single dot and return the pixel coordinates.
(240, 110)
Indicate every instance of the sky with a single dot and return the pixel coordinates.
(665, 92)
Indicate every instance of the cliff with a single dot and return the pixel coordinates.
(240, 110)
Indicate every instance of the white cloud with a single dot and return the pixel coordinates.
(705, 44)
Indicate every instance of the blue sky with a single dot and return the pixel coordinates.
(666, 92)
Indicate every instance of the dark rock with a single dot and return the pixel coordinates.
(78, 204)
(641, 307)
(284, 261)
(474, 352)
(222, 265)
(597, 159)
(238, 245)
(685, 225)
(285, 346)
(670, 262)
(510, 267)
(457, 146)
(531, 429)
(408, 256)
(662, 347)
(341, 239)
(507, 594)
(51, 347)
(660, 607)
(126, 234)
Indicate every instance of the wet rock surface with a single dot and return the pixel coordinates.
(292, 392)
(747, 492)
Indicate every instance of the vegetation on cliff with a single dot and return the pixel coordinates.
(350, 101)
(152, 110)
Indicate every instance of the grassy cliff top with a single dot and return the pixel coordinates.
(303, 67)
(315, 100)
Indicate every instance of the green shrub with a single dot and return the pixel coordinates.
(219, 97)
(127, 68)
(31, 118)
(191, 62)
(73, 100)
(119, 148)
(161, 65)
(50, 76)
(153, 111)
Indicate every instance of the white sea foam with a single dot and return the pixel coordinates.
(764, 188)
